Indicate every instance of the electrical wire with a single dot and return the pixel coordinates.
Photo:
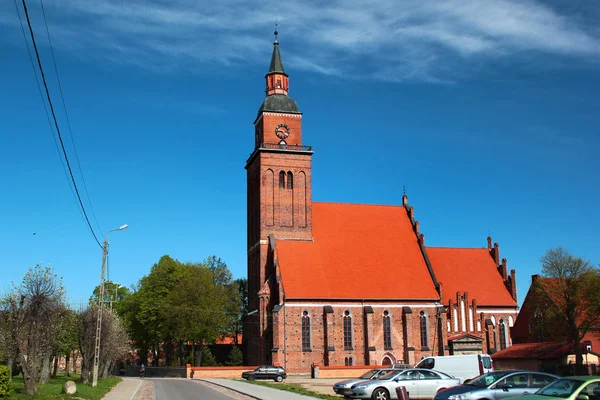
(68, 121)
(37, 81)
(56, 124)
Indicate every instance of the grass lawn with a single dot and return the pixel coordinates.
(296, 388)
(53, 389)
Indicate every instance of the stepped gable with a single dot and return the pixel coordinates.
(359, 252)
(470, 270)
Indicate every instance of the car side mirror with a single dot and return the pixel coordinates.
(583, 397)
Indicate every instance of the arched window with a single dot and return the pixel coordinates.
(423, 329)
(349, 361)
(290, 180)
(306, 331)
(282, 144)
(502, 333)
(281, 180)
(387, 331)
(347, 330)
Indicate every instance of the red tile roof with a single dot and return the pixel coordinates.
(359, 252)
(472, 271)
(543, 350)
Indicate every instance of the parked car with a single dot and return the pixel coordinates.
(343, 387)
(402, 366)
(498, 385)
(570, 388)
(266, 372)
(463, 367)
(419, 383)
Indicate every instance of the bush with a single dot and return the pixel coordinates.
(4, 381)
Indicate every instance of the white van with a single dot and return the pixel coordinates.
(463, 367)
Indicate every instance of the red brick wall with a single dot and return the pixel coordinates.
(297, 360)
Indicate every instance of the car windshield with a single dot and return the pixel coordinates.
(369, 374)
(561, 388)
(389, 375)
(486, 380)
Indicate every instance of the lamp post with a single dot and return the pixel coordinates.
(101, 306)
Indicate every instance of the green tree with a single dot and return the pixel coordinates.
(235, 357)
(34, 307)
(114, 296)
(66, 337)
(568, 298)
(208, 359)
(242, 285)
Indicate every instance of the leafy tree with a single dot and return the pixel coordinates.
(66, 337)
(114, 296)
(34, 307)
(568, 297)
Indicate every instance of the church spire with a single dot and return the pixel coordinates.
(276, 64)
(277, 79)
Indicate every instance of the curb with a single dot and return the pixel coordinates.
(227, 387)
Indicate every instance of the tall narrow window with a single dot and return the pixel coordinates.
(306, 331)
(348, 361)
(387, 331)
(347, 330)
(290, 180)
(281, 180)
(423, 328)
(502, 333)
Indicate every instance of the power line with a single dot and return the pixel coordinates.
(67, 118)
(37, 81)
(56, 123)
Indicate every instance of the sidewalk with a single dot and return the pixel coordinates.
(256, 391)
(124, 390)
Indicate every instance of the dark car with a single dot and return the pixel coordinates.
(266, 372)
(498, 385)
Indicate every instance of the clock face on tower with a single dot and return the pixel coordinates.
(282, 131)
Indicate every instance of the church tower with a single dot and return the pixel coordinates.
(279, 201)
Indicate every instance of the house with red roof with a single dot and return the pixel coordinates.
(532, 334)
(339, 284)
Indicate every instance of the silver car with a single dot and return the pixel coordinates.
(419, 383)
(498, 385)
(343, 387)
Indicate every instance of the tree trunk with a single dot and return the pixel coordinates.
(45, 374)
(169, 352)
(578, 356)
(9, 363)
(55, 366)
(85, 372)
(199, 353)
(75, 356)
(181, 356)
(29, 367)
(67, 359)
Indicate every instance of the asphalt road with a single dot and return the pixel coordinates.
(183, 389)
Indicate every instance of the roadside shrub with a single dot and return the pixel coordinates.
(4, 381)
(208, 359)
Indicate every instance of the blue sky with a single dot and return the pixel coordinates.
(487, 111)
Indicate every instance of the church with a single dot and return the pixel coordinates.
(338, 284)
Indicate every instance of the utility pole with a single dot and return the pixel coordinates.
(99, 318)
(101, 307)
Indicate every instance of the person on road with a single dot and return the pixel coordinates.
(142, 371)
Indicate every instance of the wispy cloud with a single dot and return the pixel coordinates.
(383, 39)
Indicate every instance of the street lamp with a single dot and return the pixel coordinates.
(101, 306)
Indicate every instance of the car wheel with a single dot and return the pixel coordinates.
(251, 377)
(279, 379)
(380, 394)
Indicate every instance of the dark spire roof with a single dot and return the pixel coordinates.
(276, 64)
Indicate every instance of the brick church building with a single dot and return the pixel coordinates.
(352, 284)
